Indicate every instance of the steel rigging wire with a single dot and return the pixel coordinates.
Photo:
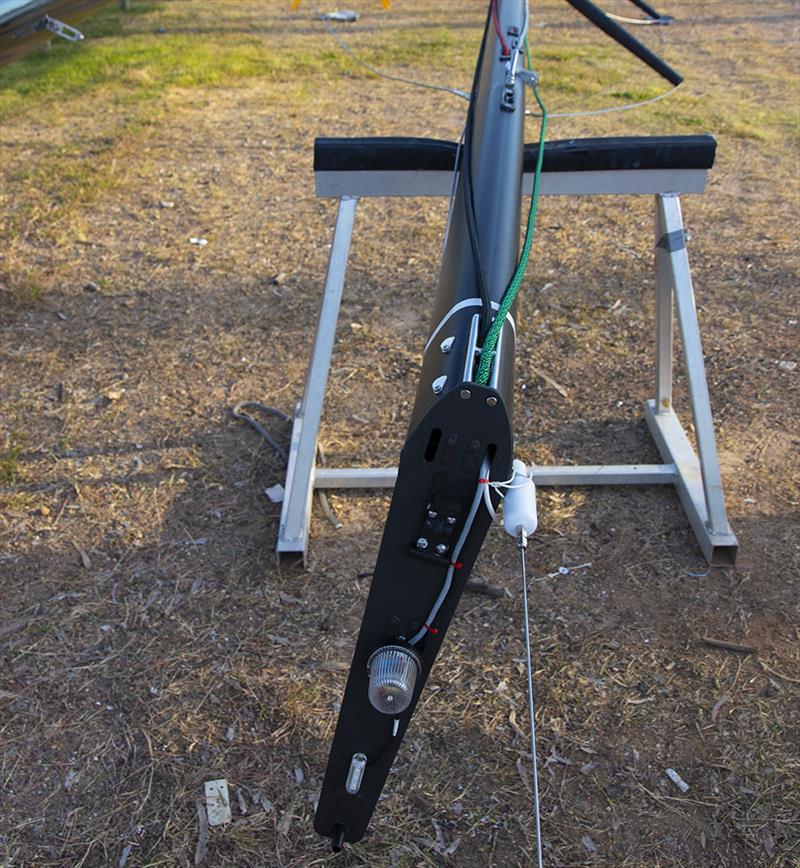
(522, 542)
(462, 94)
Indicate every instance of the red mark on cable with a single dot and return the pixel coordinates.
(457, 565)
(430, 629)
(503, 44)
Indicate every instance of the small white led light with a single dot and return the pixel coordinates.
(393, 672)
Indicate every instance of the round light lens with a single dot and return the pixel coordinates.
(393, 672)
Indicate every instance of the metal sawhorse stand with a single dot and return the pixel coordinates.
(697, 480)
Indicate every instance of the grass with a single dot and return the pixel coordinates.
(21, 286)
(10, 471)
(130, 671)
(127, 60)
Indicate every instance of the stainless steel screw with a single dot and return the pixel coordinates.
(491, 401)
(422, 543)
(465, 394)
(441, 549)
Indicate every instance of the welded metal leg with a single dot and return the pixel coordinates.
(699, 482)
(293, 533)
(663, 319)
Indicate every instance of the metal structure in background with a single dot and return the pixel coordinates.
(697, 478)
(26, 24)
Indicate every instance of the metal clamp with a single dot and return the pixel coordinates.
(59, 28)
(528, 76)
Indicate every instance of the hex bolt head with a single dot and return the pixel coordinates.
(432, 514)
(422, 543)
(441, 549)
(491, 401)
(451, 519)
(465, 394)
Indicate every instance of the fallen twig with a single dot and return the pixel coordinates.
(201, 850)
(326, 509)
(551, 382)
(778, 674)
(323, 499)
(730, 646)
(716, 707)
(479, 586)
(12, 627)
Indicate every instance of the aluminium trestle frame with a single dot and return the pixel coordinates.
(347, 169)
(459, 448)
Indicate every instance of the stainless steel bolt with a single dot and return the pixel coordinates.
(432, 514)
(451, 519)
(465, 394)
(441, 549)
(422, 543)
(491, 401)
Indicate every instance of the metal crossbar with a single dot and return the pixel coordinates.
(696, 478)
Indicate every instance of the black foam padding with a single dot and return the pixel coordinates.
(397, 153)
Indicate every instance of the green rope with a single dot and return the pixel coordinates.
(487, 351)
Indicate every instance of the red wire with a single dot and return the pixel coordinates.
(496, 18)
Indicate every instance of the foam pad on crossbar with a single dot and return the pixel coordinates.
(397, 153)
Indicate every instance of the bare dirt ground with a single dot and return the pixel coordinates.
(149, 639)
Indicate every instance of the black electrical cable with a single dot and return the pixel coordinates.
(382, 752)
(469, 198)
(236, 412)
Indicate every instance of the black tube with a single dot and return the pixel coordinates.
(455, 425)
(612, 29)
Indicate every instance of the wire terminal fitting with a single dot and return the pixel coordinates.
(520, 517)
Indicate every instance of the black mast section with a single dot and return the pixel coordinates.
(455, 426)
